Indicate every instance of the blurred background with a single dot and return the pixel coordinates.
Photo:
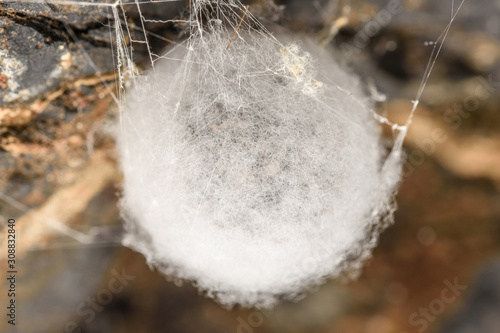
(437, 269)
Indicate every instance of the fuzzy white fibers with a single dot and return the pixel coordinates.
(250, 173)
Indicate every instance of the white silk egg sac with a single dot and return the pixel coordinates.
(255, 171)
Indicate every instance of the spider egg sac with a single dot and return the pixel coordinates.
(255, 171)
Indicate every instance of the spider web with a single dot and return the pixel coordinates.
(127, 39)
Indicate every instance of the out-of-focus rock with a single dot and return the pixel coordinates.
(481, 311)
